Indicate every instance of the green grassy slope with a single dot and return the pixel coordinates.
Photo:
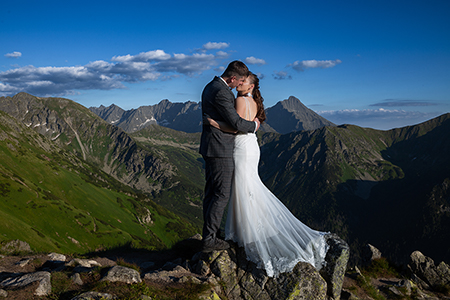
(181, 150)
(56, 202)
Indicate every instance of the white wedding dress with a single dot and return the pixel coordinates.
(273, 238)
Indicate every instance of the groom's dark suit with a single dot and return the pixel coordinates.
(217, 149)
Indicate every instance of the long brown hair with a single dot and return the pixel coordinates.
(261, 114)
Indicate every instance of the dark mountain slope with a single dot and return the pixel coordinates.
(292, 115)
(388, 188)
(286, 116)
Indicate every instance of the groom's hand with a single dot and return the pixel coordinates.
(256, 120)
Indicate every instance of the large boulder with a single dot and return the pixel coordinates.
(425, 269)
(123, 274)
(21, 280)
(241, 279)
(15, 246)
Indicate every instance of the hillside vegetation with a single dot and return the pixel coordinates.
(57, 202)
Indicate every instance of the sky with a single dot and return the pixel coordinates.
(378, 64)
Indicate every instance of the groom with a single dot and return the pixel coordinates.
(216, 147)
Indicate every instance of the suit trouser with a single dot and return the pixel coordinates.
(219, 175)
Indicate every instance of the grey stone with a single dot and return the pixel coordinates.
(122, 274)
(76, 278)
(336, 264)
(94, 296)
(23, 262)
(424, 268)
(44, 288)
(370, 253)
(57, 257)
(3, 293)
(202, 268)
(15, 246)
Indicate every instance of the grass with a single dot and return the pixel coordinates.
(56, 202)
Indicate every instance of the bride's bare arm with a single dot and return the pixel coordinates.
(219, 125)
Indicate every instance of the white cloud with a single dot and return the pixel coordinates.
(14, 54)
(154, 55)
(215, 46)
(103, 75)
(255, 61)
(310, 64)
(222, 54)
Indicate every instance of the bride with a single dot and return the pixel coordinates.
(273, 238)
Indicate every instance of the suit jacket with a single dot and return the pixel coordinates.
(218, 103)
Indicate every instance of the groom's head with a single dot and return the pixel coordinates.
(235, 73)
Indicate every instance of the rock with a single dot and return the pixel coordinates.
(370, 253)
(336, 264)
(304, 282)
(161, 276)
(23, 262)
(15, 246)
(122, 274)
(57, 257)
(202, 268)
(407, 285)
(425, 269)
(3, 293)
(87, 263)
(76, 278)
(94, 296)
(44, 288)
(241, 279)
(347, 295)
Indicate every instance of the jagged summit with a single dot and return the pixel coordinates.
(292, 115)
(286, 116)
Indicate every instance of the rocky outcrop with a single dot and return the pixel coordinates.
(21, 280)
(15, 246)
(242, 280)
(227, 273)
(426, 273)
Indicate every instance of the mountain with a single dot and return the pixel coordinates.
(78, 130)
(179, 116)
(389, 188)
(292, 115)
(286, 116)
(56, 201)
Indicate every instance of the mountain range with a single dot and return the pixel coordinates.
(284, 117)
(388, 188)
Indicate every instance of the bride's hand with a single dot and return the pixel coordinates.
(206, 120)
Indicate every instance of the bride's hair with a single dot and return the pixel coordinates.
(261, 114)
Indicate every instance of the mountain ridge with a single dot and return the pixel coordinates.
(286, 116)
(389, 188)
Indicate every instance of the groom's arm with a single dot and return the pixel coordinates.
(224, 103)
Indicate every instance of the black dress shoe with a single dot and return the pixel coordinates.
(215, 244)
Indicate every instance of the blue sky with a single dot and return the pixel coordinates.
(379, 64)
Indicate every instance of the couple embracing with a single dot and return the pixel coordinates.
(273, 238)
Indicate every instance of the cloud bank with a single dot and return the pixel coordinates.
(404, 103)
(104, 75)
(381, 118)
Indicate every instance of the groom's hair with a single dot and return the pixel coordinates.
(236, 68)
